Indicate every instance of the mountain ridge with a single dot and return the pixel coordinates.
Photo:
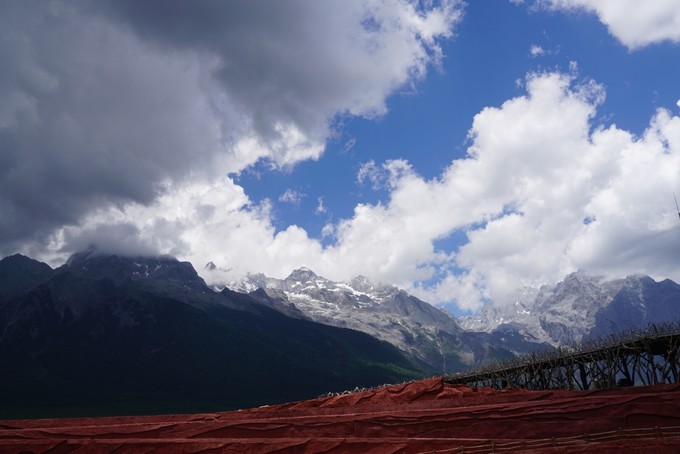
(430, 335)
(67, 331)
(90, 339)
(581, 307)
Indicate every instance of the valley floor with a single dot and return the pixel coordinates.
(418, 417)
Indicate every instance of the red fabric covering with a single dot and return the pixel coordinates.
(424, 416)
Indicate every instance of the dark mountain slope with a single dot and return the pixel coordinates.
(19, 274)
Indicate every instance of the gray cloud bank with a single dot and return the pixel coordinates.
(108, 103)
(120, 121)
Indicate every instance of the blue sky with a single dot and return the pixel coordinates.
(457, 149)
(483, 64)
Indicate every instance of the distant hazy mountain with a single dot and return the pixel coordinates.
(581, 307)
(428, 334)
(106, 334)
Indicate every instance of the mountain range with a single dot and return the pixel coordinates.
(581, 307)
(106, 334)
(430, 336)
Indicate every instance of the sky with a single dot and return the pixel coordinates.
(458, 150)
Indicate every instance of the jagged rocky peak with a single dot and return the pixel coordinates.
(98, 265)
(210, 266)
(576, 299)
(302, 274)
(362, 284)
(637, 283)
(579, 283)
(582, 306)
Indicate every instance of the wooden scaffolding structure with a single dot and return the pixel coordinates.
(638, 357)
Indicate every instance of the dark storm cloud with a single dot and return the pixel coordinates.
(122, 238)
(110, 102)
(89, 116)
(297, 61)
(274, 59)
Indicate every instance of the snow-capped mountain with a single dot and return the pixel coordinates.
(581, 307)
(426, 333)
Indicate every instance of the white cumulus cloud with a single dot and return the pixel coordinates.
(543, 191)
(636, 23)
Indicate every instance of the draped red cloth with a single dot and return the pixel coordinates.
(419, 417)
